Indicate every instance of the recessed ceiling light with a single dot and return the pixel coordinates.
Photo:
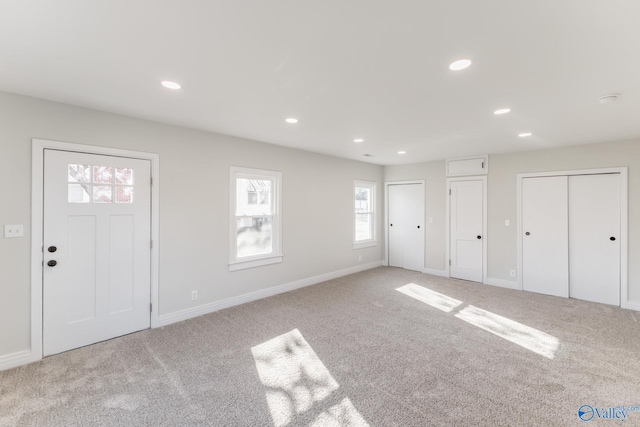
(524, 134)
(460, 64)
(402, 152)
(171, 85)
(358, 140)
(502, 111)
(291, 120)
(608, 99)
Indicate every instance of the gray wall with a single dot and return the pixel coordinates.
(502, 199)
(194, 198)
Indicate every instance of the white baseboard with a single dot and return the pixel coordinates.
(510, 284)
(13, 360)
(435, 272)
(632, 305)
(190, 313)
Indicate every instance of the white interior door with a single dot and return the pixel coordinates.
(466, 225)
(96, 278)
(406, 226)
(594, 238)
(545, 240)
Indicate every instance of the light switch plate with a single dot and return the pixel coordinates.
(13, 231)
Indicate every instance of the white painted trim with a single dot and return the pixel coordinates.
(367, 244)
(485, 169)
(485, 218)
(624, 223)
(509, 284)
(386, 215)
(13, 360)
(37, 192)
(435, 272)
(189, 313)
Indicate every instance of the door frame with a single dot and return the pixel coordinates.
(38, 147)
(447, 263)
(386, 216)
(624, 296)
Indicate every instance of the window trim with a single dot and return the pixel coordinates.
(373, 187)
(276, 255)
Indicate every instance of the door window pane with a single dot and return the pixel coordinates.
(102, 194)
(254, 236)
(124, 176)
(103, 174)
(124, 194)
(79, 173)
(79, 193)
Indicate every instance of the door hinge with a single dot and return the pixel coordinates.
(151, 244)
(150, 306)
(449, 262)
(151, 182)
(482, 165)
(449, 191)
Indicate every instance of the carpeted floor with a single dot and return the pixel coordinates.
(351, 351)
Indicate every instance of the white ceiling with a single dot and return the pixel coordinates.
(375, 69)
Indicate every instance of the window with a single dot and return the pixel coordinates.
(99, 184)
(365, 219)
(255, 238)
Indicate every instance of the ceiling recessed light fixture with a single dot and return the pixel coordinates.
(402, 152)
(608, 99)
(358, 140)
(291, 120)
(171, 85)
(502, 111)
(524, 134)
(460, 64)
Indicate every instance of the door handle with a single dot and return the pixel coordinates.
(391, 225)
(479, 237)
(52, 249)
(418, 226)
(52, 263)
(612, 238)
(527, 233)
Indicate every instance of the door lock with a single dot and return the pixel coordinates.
(52, 249)
(52, 263)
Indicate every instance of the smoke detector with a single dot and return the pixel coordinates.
(609, 99)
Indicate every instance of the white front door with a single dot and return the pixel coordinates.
(406, 226)
(594, 238)
(466, 225)
(545, 243)
(97, 256)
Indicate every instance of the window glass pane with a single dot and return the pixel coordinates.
(251, 191)
(124, 194)
(363, 227)
(363, 199)
(254, 236)
(124, 176)
(101, 194)
(79, 193)
(103, 174)
(79, 173)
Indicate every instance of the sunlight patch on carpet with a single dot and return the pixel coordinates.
(525, 336)
(432, 298)
(297, 381)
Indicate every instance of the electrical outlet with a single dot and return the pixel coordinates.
(359, 257)
(507, 223)
(194, 295)
(512, 273)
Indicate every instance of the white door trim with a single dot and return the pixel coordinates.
(386, 214)
(37, 193)
(624, 294)
(484, 223)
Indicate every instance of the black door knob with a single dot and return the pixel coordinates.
(52, 263)
(391, 225)
(527, 233)
(479, 237)
(52, 249)
(612, 238)
(418, 226)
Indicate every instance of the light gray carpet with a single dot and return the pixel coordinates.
(351, 351)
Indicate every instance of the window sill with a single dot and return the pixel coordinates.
(241, 265)
(367, 244)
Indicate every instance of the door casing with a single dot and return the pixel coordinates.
(37, 205)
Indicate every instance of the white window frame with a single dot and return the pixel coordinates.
(372, 186)
(276, 255)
